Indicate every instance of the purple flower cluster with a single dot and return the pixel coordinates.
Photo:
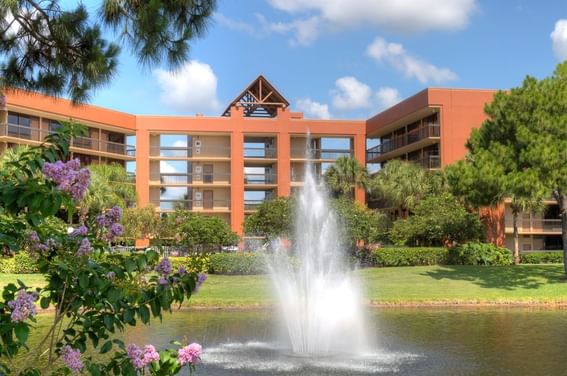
(189, 354)
(72, 358)
(36, 245)
(109, 221)
(111, 275)
(69, 177)
(201, 278)
(141, 358)
(84, 248)
(79, 231)
(23, 306)
(164, 267)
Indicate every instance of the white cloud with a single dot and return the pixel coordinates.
(559, 40)
(351, 94)
(235, 25)
(303, 31)
(398, 15)
(192, 88)
(313, 109)
(387, 97)
(395, 55)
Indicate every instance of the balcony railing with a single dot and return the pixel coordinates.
(430, 162)
(538, 225)
(423, 132)
(320, 153)
(253, 204)
(260, 179)
(36, 134)
(260, 152)
(176, 178)
(190, 152)
(193, 205)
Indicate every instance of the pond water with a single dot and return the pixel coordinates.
(408, 341)
(483, 341)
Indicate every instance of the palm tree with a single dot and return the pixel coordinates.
(110, 186)
(346, 173)
(401, 185)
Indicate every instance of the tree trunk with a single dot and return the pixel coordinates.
(561, 199)
(563, 210)
(516, 238)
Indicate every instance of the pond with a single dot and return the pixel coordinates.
(409, 341)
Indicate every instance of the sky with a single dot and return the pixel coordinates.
(348, 59)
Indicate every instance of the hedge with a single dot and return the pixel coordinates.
(238, 263)
(409, 256)
(476, 253)
(542, 258)
(21, 263)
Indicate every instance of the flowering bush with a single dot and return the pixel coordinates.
(93, 293)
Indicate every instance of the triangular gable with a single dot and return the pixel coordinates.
(259, 99)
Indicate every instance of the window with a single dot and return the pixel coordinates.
(19, 125)
(53, 125)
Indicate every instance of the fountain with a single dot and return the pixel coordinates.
(319, 297)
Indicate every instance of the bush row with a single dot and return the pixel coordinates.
(542, 258)
(21, 263)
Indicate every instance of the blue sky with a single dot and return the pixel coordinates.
(349, 58)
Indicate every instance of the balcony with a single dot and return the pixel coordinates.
(317, 154)
(253, 204)
(260, 152)
(190, 152)
(38, 135)
(430, 163)
(398, 142)
(535, 226)
(260, 179)
(186, 179)
(193, 205)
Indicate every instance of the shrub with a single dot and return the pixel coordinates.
(238, 263)
(542, 258)
(475, 253)
(198, 263)
(21, 263)
(408, 256)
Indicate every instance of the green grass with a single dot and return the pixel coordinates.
(401, 285)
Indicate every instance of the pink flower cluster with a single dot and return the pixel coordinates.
(190, 354)
(141, 358)
(23, 306)
(201, 278)
(72, 358)
(164, 267)
(109, 221)
(69, 177)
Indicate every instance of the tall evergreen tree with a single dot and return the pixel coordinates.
(60, 50)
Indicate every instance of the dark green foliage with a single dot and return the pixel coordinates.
(542, 258)
(410, 256)
(274, 218)
(358, 223)
(437, 220)
(475, 253)
(240, 263)
(198, 232)
(60, 50)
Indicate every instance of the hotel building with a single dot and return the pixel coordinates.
(257, 149)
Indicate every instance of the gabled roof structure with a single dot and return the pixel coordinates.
(259, 99)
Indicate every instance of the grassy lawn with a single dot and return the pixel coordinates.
(426, 284)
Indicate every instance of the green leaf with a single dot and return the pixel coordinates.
(22, 331)
(130, 265)
(44, 302)
(106, 347)
(144, 314)
(128, 315)
(84, 280)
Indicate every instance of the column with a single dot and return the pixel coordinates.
(143, 175)
(360, 154)
(237, 171)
